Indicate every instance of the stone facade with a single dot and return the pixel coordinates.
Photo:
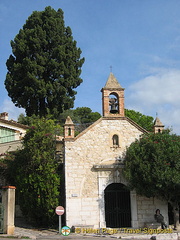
(94, 161)
(91, 164)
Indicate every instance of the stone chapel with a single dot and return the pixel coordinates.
(95, 189)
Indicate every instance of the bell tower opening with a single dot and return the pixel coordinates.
(113, 103)
(112, 98)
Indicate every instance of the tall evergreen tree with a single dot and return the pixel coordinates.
(45, 66)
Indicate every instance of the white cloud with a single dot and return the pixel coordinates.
(171, 119)
(9, 107)
(159, 92)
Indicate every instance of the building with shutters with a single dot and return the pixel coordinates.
(11, 134)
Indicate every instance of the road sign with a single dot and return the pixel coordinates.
(59, 210)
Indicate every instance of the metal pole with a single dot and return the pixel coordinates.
(59, 223)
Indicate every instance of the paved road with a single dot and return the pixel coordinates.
(80, 237)
(73, 237)
(51, 234)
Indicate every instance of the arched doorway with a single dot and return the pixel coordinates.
(117, 206)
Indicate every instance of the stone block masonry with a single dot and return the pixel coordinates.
(85, 184)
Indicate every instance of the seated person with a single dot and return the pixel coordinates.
(160, 219)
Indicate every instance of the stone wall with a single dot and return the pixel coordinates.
(8, 201)
(146, 209)
(84, 183)
(93, 146)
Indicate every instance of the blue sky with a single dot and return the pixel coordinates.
(140, 39)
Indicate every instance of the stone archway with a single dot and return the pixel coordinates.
(117, 206)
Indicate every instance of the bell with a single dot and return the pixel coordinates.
(113, 109)
(113, 104)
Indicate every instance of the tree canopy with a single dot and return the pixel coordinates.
(34, 171)
(152, 166)
(45, 65)
(83, 115)
(80, 115)
(142, 120)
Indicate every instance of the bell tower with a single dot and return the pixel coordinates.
(158, 126)
(112, 98)
(69, 129)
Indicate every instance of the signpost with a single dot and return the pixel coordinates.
(60, 211)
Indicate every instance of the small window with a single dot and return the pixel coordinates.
(69, 131)
(115, 140)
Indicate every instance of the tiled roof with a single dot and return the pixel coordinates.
(13, 123)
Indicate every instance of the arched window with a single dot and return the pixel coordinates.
(115, 140)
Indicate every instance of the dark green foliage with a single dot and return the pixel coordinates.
(152, 166)
(34, 172)
(142, 120)
(30, 120)
(85, 115)
(27, 120)
(45, 66)
(80, 115)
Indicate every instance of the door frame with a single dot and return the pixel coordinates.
(105, 178)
